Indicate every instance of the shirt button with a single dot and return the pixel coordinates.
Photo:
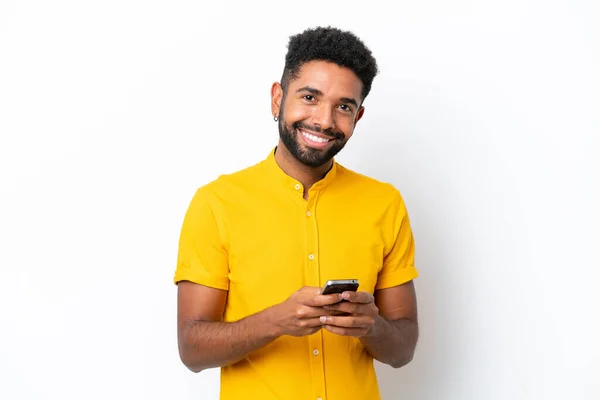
(319, 398)
(308, 213)
(311, 257)
(316, 352)
(297, 186)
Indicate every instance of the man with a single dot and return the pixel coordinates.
(257, 245)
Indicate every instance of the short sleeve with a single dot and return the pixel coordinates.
(399, 262)
(202, 256)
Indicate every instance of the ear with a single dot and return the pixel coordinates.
(276, 96)
(359, 115)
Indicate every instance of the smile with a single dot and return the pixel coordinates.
(315, 140)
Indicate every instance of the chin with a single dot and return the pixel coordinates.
(311, 161)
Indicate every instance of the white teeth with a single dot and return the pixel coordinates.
(315, 138)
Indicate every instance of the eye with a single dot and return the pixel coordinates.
(345, 107)
(308, 97)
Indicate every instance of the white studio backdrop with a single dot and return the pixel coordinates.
(485, 115)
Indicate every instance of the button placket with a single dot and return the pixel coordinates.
(313, 279)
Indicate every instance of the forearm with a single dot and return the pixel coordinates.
(392, 342)
(205, 344)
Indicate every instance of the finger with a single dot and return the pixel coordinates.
(347, 322)
(358, 297)
(307, 312)
(344, 306)
(355, 332)
(310, 323)
(324, 300)
(340, 313)
(310, 291)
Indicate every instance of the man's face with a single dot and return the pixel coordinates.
(319, 111)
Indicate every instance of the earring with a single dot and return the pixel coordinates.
(275, 118)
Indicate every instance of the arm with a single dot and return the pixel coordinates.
(386, 324)
(394, 334)
(205, 341)
(393, 337)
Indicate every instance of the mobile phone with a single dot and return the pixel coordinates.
(340, 285)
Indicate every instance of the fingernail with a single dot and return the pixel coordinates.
(323, 319)
(345, 295)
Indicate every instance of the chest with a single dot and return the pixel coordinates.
(281, 245)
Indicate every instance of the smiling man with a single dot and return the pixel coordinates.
(257, 246)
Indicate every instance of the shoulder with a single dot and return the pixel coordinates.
(231, 184)
(364, 185)
(369, 193)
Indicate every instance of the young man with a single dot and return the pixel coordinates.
(257, 246)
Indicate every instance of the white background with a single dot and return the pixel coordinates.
(485, 115)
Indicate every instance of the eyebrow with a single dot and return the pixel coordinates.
(317, 92)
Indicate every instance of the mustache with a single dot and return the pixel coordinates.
(328, 132)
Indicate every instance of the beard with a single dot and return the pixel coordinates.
(309, 156)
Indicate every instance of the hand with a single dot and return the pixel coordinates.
(299, 314)
(359, 316)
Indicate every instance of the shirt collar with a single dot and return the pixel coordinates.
(275, 172)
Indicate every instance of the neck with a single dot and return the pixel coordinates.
(304, 174)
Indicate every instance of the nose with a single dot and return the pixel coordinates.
(323, 117)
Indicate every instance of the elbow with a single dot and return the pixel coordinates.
(401, 362)
(406, 353)
(402, 359)
(195, 367)
(190, 360)
(190, 364)
(191, 352)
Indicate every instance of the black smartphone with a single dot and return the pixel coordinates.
(340, 285)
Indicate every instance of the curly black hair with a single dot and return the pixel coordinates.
(333, 45)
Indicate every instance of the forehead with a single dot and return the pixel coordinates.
(329, 78)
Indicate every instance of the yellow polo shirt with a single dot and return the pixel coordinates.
(253, 234)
